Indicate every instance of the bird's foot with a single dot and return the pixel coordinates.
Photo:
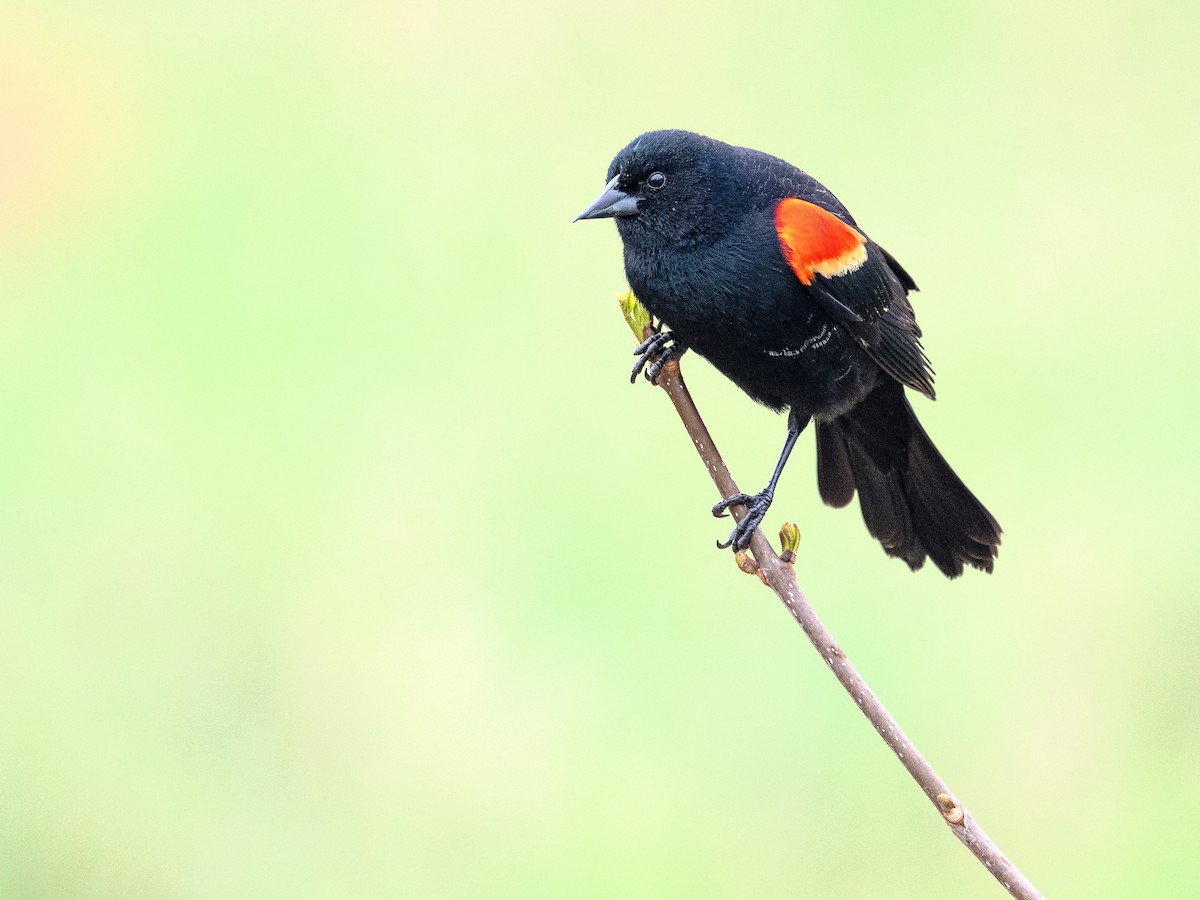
(756, 509)
(654, 353)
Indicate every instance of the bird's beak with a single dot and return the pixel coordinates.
(612, 202)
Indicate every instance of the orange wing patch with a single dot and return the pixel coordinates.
(817, 242)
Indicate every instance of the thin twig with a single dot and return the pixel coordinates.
(781, 578)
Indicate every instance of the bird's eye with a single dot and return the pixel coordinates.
(657, 180)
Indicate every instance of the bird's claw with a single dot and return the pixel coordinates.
(756, 510)
(721, 510)
(653, 355)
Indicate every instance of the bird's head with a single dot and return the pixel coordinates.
(661, 187)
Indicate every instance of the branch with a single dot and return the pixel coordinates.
(778, 574)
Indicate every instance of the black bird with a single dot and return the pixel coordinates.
(754, 265)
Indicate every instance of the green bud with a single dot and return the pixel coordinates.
(789, 537)
(636, 315)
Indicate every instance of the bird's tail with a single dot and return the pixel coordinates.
(911, 500)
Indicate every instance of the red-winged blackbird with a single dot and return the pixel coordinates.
(761, 270)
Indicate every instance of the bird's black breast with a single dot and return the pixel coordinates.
(735, 301)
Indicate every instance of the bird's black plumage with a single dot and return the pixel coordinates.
(754, 265)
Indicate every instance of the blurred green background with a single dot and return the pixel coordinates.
(338, 557)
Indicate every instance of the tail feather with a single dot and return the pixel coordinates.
(885, 510)
(912, 501)
(834, 476)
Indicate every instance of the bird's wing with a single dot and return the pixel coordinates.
(858, 284)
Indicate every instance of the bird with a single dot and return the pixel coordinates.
(754, 265)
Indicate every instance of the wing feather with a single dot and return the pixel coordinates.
(858, 284)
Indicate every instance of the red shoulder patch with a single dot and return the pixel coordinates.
(815, 241)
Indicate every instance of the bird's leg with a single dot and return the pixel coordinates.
(758, 504)
(655, 352)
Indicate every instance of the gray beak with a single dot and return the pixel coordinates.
(612, 202)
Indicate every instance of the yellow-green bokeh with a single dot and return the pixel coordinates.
(338, 558)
